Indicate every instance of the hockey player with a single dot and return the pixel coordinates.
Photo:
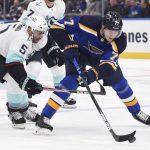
(52, 11)
(97, 42)
(19, 43)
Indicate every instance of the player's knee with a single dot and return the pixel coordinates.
(110, 74)
(107, 70)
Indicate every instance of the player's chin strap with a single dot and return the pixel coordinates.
(119, 138)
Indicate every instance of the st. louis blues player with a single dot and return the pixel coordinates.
(96, 42)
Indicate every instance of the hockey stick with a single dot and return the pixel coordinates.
(101, 88)
(119, 138)
(102, 92)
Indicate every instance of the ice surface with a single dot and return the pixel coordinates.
(83, 128)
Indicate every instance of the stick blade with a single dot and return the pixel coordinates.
(122, 138)
(103, 91)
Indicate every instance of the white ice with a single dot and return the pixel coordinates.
(83, 128)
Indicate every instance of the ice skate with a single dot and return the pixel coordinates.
(31, 115)
(70, 104)
(43, 126)
(17, 120)
(142, 117)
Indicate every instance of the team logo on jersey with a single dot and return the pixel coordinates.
(50, 20)
(94, 49)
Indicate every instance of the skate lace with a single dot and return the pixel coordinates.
(30, 114)
(143, 116)
(16, 115)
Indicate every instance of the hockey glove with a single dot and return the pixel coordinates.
(31, 86)
(80, 81)
(52, 54)
(56, 55)
(89, 76)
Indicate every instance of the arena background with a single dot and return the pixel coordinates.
(83, 128)
(135, 13)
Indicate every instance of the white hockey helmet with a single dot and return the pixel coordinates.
(37, 23)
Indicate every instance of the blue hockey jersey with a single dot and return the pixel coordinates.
(85, 31)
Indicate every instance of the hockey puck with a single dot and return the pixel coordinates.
(132, 140)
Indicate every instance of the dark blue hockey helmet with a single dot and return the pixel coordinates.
(112, 20)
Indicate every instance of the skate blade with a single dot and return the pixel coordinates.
(69, 106)
(18, 126)
(42, 131)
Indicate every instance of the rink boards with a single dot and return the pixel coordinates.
(138, 37)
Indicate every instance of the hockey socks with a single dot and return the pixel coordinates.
(125, 93)
(53, 104)
(57, 99)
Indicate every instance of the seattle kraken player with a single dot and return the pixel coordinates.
(18, 43)
(52, 11)
(97, 43)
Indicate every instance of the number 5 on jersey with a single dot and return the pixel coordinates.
(23, 49)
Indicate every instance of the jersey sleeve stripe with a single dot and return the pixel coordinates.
(114, 46)
(86, 29)
(56, 27)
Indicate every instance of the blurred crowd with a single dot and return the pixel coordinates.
(12, 8)
(127, 8)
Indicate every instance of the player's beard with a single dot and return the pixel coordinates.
(36, 40)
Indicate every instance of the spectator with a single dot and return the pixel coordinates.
(75, 6)
(70, 6)
(114, 5)
(1, 7)
(94, 7)
(13, 8)
(83, 6)
(17, 9)
(135, 9)
(145, 9)
(125, 9)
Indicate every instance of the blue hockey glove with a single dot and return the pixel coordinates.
(83, 75)
(89, 76)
